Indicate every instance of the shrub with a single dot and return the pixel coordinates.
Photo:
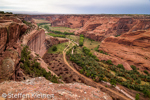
(46, 27)
(146, 72)
(113, 82)
(137, 97)
(101, 51)
(27, 23)
(81, 40)
(120, 66)
(96, 49)
(54, 79)
(146, 93)
(54, 48)
(67, 33)
(133, 67)
(109, 62)
(1, 12)
(33, 68)
(138, 81)
(117, 35)
(57, 35)
(81, 71)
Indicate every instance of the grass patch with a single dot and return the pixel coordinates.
(62, 29)
(73, 37)
(81, 41)
(57, 35)
(60, 48)
(91, 44)
(144, 83)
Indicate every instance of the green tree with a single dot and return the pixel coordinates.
(133, 67)
(54, 48)
(109, 62)
(120, 66)
(137, 97)
(146, 93)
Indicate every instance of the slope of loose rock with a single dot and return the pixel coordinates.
(40, 86)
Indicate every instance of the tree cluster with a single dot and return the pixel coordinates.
(33, 68)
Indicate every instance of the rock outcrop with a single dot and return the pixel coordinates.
(71, 21)
(11, 29)
(36, 42)
(40, 86)
(132, 48)
(99, 28)
(10, 32)
(50, 40)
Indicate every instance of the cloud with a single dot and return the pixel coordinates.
(77, 6)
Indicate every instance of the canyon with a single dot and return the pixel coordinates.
(14, 34)
(103, 27)
(125, 39)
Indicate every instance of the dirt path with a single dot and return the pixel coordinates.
(90, 80)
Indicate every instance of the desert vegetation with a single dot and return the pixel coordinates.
(60, 47)
(57, 35)
(81, 40)
(31, 26)
(2, 12)
(59, 32)
(73, 37)
(106, 71)
(91, 44)
(32, 68)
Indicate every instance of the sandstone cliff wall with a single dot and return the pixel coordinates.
(132, 48)
(71, 21)
(9, 33)
(36, 42)
(99, 28)
(11, 29)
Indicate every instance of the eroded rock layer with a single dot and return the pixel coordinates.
(132, 48)
(36, 42)
(71, 21)
(99, 28)
(11, 29)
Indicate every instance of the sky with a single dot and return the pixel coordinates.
(76, 6)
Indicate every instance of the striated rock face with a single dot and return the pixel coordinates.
(52, 18)
(36, 42)
(132, 48)
(98, 28)
(41, 86)
(53, 41)
(71, 21)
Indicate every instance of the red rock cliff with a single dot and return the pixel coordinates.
(98, 28)
(10, 49)
(71, 21)
(132, 47)
(36, 42)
